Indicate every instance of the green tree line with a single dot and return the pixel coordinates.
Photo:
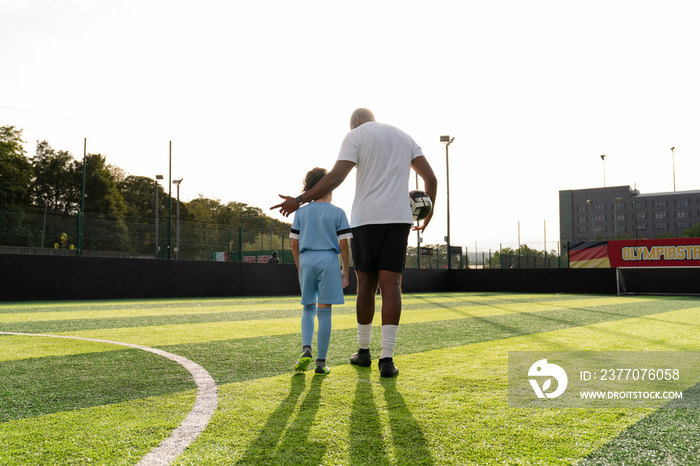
(41, 195)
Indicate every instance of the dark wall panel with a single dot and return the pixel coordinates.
(269, 279)
(102, 278)
(425, 280)
(56, 277)
(38, 277)
(199, 279)
(684, 280)
(535, 280)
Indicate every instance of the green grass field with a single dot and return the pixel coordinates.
(69, 401)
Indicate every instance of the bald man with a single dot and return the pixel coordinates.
(381, 220)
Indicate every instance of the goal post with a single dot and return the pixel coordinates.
(658, 280)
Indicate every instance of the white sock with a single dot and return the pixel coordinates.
(389, 340)
(364, 335)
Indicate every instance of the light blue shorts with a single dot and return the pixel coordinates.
(319, 278)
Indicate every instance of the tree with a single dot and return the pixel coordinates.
(15, 168)
(523, 257)
(102, 198)
(15, 187)
(693, 232)
(213, 226)
(54, 181)
(138, 193)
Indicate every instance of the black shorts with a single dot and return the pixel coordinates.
(380, 247)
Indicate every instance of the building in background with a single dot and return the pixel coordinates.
(622, 212)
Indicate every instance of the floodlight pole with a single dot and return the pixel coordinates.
(635, 193)
(673, 156)
(177, 227)
(603, 159)
(170, 194)
(81, 214)
(158, 177)
(590, 204)
(448, 141)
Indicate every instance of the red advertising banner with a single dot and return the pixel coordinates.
(671, 252)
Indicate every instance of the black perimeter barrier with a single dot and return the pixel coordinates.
(26, 277)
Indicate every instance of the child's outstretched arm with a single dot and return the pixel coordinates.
(344, 253)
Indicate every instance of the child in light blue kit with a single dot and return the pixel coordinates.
(320, 231)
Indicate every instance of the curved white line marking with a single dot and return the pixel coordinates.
(195, 422)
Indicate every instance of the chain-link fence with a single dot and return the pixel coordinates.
(31, 230)
(41, 231)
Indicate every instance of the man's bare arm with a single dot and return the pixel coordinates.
(425, 171)
(328, 183)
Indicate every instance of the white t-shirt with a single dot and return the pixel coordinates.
(382, 155)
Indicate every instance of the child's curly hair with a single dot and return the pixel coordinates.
(313, 177)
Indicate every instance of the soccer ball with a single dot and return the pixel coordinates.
(421, 204)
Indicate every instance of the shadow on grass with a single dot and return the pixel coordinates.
(367, 445)
(297, 447)
(366, 442)
(410, 445)
(278, 444)
(261, 449)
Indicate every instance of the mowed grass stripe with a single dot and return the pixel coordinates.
(142, 317)
(249, 358)
(128, 304)
(63, 326)
(115, 434)
(110, 310)
(39, 386)
(117, 308)
(188, 333)
(447, 405)
(141, 310)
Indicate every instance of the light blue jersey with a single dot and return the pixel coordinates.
(319, 226)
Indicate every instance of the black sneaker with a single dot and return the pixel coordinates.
(361, 358)
(387, 367)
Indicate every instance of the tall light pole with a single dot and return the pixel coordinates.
(170, 194)
(81, 214)
(618, 201)
(158, 177)
(602, 157)
(673, 156)
(635, 193)
(177, 227)
(448, 141)
(590, 204)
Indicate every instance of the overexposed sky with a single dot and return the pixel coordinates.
(254, 94)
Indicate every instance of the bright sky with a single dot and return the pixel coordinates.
(254, 94)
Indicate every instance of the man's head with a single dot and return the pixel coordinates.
(360, 117)
(313, 177)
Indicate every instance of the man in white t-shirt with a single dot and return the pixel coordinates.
(381, 220)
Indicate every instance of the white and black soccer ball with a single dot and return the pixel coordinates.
(421, 204)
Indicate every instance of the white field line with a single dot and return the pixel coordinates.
(195, 422)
